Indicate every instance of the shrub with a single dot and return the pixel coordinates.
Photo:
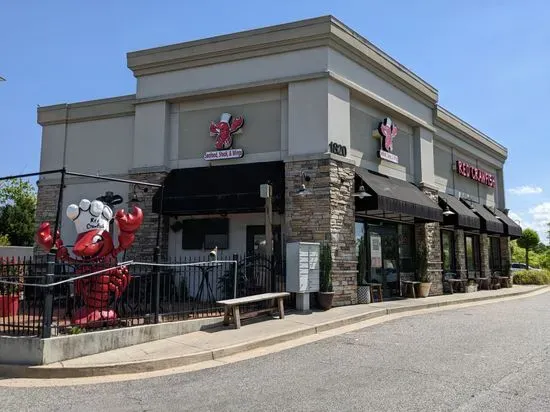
(532, 277)
(325, 268)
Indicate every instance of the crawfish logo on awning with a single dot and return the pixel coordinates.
(224, 130)
(386, 132)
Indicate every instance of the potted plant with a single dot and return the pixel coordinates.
(363, 290)
(9, 293)
(422, 272)
(326, 294)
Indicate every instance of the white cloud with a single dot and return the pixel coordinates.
(538, 219)
(526, 190)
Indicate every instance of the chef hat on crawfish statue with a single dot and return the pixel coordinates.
(90, 215)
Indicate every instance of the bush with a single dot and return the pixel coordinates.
(532, 277)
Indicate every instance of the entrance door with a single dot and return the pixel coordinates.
(384, 258)
(263, 275)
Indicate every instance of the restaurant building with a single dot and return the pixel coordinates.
(321, 114)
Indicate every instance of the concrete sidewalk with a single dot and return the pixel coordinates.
(218, 342)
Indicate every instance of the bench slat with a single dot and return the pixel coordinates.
(253, 298)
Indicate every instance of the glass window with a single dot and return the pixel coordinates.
(448, 251)
(495, 253)
(406, 241)
(205, 234)
(472, 255)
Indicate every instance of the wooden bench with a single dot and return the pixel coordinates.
(232, 310)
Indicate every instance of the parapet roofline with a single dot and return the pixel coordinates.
(447, 119)
(325, 31)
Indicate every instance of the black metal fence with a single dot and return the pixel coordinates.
(41, 298)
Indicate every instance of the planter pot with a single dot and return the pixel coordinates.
(363, 294)
(470, 288)
(423, 290)
(9, 305)
(325, 300)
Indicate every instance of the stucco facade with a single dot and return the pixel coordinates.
(301, 87)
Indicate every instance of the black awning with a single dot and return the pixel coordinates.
(397, 196)
(489, 222)
(511, 228)
(463, 216)
(221, 189)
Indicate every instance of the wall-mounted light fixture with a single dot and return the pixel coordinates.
(447, 211)
(303, 190)
(361, 193)
(135, 198)
(469, 202)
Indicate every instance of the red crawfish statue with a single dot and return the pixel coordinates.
(95, 250)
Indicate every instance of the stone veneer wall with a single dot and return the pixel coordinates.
(146, 237)
(327, 214)
(485, 252)
(46, 208)
(460, 254)
(430, 235)
(505, 254)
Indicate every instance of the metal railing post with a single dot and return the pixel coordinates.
(235, 275)
(48, 298)
(273, 274)
(156, 285)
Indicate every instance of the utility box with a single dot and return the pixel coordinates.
(302, 271)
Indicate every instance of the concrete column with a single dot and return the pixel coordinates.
(423, 157)
(429, 235)
(151, 135)
(485, 250)
(460, 254)
(327, 214)
(318, 113)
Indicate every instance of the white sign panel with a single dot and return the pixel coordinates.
(375, 250)
(224, 154)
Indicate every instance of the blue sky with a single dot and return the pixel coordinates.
(488, 59)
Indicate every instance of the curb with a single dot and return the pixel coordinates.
(45, 372)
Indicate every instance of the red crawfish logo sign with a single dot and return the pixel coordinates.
(387, 131)
(224, 130)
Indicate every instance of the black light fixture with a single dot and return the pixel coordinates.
(447, 211)
(470, 203)
(361, 193)
(303, 190)
(135, 198)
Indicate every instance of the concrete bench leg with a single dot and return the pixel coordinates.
(237, 316)
(226, 313)
(281, 308)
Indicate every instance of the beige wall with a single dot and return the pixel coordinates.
(448, 180)
(258, 69)
(261, 133)
(364, 147)
(263, 137)
(104, 146)
(364, 78)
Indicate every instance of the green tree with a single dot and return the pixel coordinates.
(17, 212)
(528, 240)
(4, 241)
